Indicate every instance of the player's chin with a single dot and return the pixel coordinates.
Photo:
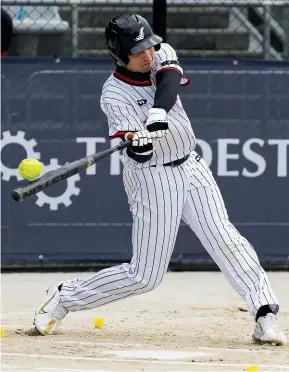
(146, 67)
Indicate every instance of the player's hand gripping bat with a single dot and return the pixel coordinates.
(52, 178)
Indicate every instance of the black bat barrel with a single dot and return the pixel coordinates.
(52, 178)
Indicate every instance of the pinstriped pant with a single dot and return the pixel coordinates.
(159, 198)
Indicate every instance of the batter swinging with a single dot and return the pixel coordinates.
(165, 181)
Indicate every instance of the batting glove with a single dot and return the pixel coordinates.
(157, 123)
(142, 142)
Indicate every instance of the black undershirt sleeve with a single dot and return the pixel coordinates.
(138, 157)
(168, 87)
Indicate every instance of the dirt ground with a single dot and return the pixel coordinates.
(191, 322)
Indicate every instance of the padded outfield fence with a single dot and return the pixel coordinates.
(50, 110)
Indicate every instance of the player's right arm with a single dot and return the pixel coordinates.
(169, 77)
(122, 120)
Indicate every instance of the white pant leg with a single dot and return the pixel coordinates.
(156, 197)
(206, 214)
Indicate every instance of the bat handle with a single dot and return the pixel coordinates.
(129, 136)
(16, 196)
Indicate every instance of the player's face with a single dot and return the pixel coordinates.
(141, 62)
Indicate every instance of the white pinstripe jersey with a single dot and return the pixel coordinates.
(126, 107)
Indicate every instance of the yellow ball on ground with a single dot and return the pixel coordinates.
(252, 369)
(30, 168)
(98, 322)
(2, 332)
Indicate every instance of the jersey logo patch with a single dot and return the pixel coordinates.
(166, 63)
(140, 35)
(141, 102)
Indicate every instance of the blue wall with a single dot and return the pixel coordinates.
(240, 115)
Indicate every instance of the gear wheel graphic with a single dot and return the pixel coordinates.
(28, 146)
(64, 198)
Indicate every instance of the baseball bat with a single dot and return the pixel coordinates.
(52, 178)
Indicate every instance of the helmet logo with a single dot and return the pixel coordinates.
(140, 35)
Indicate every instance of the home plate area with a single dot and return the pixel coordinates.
(201, 359)
(180, 326)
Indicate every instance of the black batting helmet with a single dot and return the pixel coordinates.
(129, 34)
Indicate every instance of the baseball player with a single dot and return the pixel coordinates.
(165, 181)
(6, 32)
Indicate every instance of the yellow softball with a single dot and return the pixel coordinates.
(30, 168)
(252, 369)
(98, 322)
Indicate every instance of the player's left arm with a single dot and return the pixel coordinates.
(169, 76)
(122, 121)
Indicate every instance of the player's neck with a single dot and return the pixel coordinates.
(127, 75)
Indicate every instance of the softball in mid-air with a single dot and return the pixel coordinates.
(30, 168)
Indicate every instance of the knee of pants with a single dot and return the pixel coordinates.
(229, 238)
(146, 281)
(224, 233)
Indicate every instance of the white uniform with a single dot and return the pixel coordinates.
(126, 107)
(159, 197)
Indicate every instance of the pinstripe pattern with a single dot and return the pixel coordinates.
(156, 219)
(159, 197)
(206, 214)
(119, 103)
(166, 58)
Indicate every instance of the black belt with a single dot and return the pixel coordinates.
(175, 163)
